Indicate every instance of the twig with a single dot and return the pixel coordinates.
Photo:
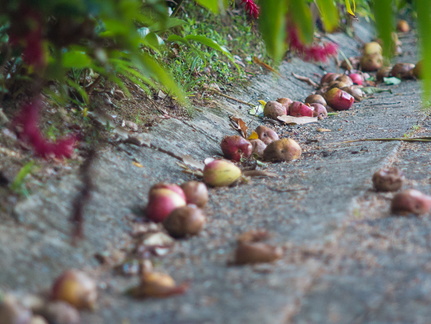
(305, 79)
(417, 139)
(229, 97)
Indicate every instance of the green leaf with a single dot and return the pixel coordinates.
(385, 24)
(300, 13)
(210, 43)
(272, 23)
(212, 5)
(423, 10)
(18, 184)
(349, 9)
(371, 90)
(79, 89)
(76, 59)
(329, 14)
(392, 81)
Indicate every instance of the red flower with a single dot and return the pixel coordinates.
(314, 52)
(251, 8)
(28, 131)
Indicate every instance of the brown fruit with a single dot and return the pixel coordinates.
(273, 109)
(355, 91)
(156, 284)
(285, 149)
(76, 288)
(196, 193)
(383, 72)
(60, 312)
(12, 312)
(411, 201)
(346, 79)
(266, 134)
(256, 252)
(403, 70)
(328, 78)
(371, 62)
(403, 26)
(185, 221)
(319, 111)
(388, 179)
(258, 147)
(285, 102)
(315, 98)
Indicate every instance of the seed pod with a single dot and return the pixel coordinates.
(256, 252)
(235, 147)
(162, 202)
(273, 109)
(411, 201)
(266, 134)
(339, 99)
(220, 173)
(76, 288)
(258, 147)
(184, 221)
(388, 179)
(196, 193)
(285, 149)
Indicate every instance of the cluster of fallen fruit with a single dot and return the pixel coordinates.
(180, 209)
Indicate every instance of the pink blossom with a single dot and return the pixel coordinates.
(251, 8)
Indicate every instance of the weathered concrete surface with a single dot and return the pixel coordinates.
(346, 260)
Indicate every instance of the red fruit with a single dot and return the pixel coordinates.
(235, 147)
(162, 202)
(319, 111)
(170, 186)
(299, 109)
(411, 201)
(339, 99)
(356, 78)
(266, 134)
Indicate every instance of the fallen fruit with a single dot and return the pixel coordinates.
(155, 284)
(315, 98)
(299, 109)
(196, 193)
(220, 173)
(60, 312)
(388, 179)
(285, 149)
(273, 109)
(266, 134)
(285, 102)
(185, 221)
(171, 186)
(258, 147)
(338, 99)
(417, 71)
(383, 72)
(319, 110)
(403, 26)
(346, 79)
(371, 62)
(356, 78)
(76, 288)
(235, 147)
(328, 77)
(355, 91)
(411, 201)
(12, 312)
(403, 70)
(256, 252)
(161, 203)
(372, 48)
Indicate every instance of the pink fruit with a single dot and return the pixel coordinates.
(235, 147)
(266, 134)
(162, 202)
(170, 186)
(299, 109)
(356, 78)
(319, 111)
(196, 193)
(339, 99)
(411, 201)
(273, 109)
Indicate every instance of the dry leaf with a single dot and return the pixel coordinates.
(239, 125)
(305, 79)
(264, 65)
(139, 165)
(253, 236)
(155, 284)
(297, 120)
(256, 252)
(188, 160)
(253, 136)
(323, 130)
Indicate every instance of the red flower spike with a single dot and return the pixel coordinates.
(251, 8)
(28, 131)
(319, 53)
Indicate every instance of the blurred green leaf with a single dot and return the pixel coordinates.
(349, 9)
(212, 5)
(272, 23)
(329, 14)
(210, 43)
(76, 59)
(423, 10)
(300, 13)
(385, 24)
(18, 184)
